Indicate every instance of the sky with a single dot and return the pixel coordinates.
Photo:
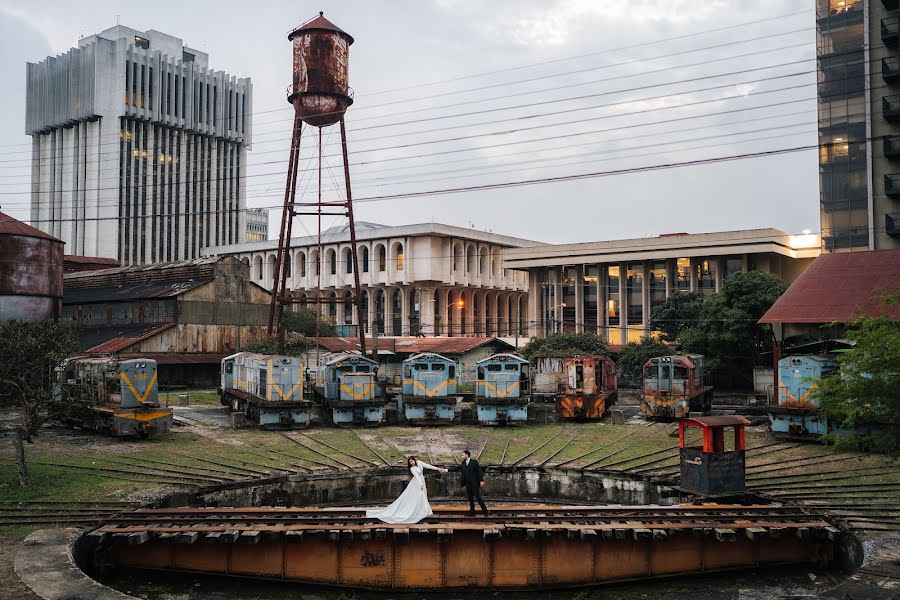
(461, 93)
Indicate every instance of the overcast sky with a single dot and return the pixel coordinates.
(427, 60)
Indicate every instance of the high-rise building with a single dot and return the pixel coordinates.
(257, 225)
(139, 148)
(859, 119)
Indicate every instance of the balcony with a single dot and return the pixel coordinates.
(890, 30)
(836, 19)
(890, 108)
(892, 185)
(890, 69)
(892, 224)
(890, 4)
(892, 146)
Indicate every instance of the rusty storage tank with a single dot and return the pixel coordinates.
(320, 91)
(31, 272)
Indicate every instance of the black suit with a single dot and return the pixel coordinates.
(470, 477)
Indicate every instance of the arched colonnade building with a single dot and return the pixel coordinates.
(422, 279)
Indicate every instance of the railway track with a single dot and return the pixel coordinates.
(188, 525)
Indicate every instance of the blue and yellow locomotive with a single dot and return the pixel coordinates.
(267, 389)
(502, 390)
(797, 413)
(347, 384)
(105, 394)
(429, 389)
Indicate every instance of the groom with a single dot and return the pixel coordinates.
(472, 478)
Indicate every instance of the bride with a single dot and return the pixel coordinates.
(412, 505)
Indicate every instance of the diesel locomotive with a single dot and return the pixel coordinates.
(589, 387)
(429, 390)
(673, 386)
(267, 389)
(105, 394)
(347, 385)
(797, 414)
(502, 390)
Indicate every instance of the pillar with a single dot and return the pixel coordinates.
(645, 296)
(670, 276)
(603, 300)
(535, 288)
(694, 274)
(719, 261)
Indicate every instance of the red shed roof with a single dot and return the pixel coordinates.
(11, 226)
(839, 287)
(322, 24)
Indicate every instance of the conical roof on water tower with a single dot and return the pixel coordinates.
(320, 91)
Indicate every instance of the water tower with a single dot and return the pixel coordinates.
(320, 94)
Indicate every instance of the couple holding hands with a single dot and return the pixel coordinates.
(412, 505)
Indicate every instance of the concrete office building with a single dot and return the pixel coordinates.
(859, 123)
(611, 287)
(423, 279)
(139, 148)
(257, 225)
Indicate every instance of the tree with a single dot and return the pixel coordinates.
(680, 312)
(30, 352)
(865, 387)
(633, 356)
(562, 345)
(728, 332)
(294, 345)
(302, 320)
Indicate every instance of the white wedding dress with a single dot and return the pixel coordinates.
(412, 505)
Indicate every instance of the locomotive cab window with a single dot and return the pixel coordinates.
(494, 368)
(420, 367)
(511, 367)
(437, 367)
(681, 372)
(229, 367)
(451, 372)
(480, 372)
(407, 372)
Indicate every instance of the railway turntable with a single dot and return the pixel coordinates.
(516, 547)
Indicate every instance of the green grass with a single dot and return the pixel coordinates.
(196, 397)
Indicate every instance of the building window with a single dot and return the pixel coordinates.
(568, 300)
(187, 56)
(612, 305)
(398, 257)
(706, 276)
(364, 253)
(589, 293)
(635, 289)
(657, 283)
(733, 264)
(382, 259)
(141, 42)
(683, 274)
(332, 262)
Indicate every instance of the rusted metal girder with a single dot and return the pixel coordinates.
(520, 547)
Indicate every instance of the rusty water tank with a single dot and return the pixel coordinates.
(320, 91)
(31, 272)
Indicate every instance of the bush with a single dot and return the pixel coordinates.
(635, 354)
(562, 345)
(294, 345)
(302, 320)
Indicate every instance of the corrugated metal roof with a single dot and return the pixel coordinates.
(72, 262)
(839, 287)
(321, 23)
(109, 340)
(129, 292)
(150, 268)
(11, 226)
(414, 345)
(180, 358)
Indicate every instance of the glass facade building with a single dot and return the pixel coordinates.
(859, 109)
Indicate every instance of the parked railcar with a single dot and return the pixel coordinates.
(347, 385)
(673, 386)
(589, 388)
(267, 389)
(502, 390)
(797, 413)
(428, 394)
(119, 397)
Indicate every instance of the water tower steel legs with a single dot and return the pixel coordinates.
(279, 288)
(280, 275)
